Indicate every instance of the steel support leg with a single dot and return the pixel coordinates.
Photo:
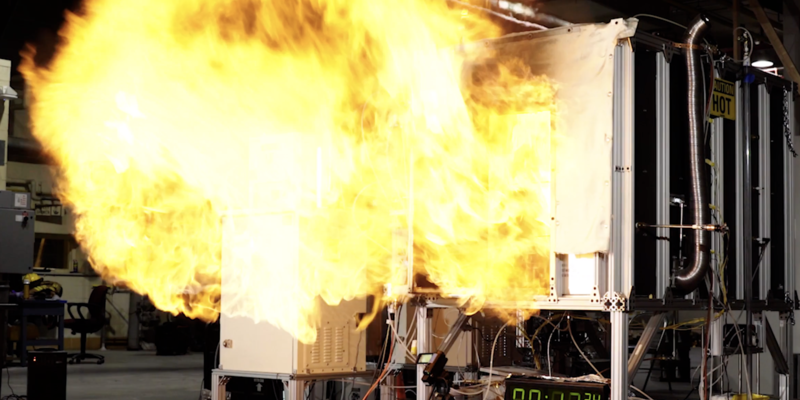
(294, 390)
(784, 385)
(387, 392)
(619, 355)
(424, 345)
(455, 331)
(643, 345)
(216, 394)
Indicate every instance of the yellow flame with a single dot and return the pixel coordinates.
(338, 121)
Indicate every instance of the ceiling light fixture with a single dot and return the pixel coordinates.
(762, 64)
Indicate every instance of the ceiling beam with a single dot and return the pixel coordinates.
(746, 11)
(786, 60)
(693, 10)
(716, 17)
(792, 7)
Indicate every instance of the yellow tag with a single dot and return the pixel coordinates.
(723, 99)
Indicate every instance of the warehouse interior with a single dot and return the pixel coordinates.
(418, 199)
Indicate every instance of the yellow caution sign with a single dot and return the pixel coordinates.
(723, 100)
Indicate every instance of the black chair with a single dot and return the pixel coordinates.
(93, 321)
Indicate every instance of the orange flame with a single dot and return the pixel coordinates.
(345, 117)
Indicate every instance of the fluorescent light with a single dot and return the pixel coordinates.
(762, 64)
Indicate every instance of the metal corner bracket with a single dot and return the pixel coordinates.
(613, 301)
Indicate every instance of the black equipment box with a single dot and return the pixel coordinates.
(240, 388)
(47, 375)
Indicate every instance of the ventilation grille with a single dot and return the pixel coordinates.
(488, 329)
(331, 351)
(327, 348)
(339, 349)
(315, 349)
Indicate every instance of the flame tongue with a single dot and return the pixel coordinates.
(165, 116)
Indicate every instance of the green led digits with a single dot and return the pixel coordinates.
(554, 391)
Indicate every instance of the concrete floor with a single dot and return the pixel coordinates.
(143, 375)
(126, 375)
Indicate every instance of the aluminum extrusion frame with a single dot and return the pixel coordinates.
(764, 190)
(663, 265)
(620, 271)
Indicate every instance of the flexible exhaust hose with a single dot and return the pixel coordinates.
(698, 241)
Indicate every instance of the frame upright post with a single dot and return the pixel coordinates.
(621, 259)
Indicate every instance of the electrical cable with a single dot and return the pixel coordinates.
(709, 95)
(660, 18)
(385, 370)
(466, 393)
(718, 367)
(549, 364)
(491, 359)
(352, 386)
(569, 328)
(763, 248)
(475, 348)
(399, 387)
(665, 20)
(501, 15)
(752, 43)
(402, 342)
(704, 378)
(12, 396)
(533, 351)
(741, 347)
(352, 381)
(383, 354)
(641, 392)
(536, 332)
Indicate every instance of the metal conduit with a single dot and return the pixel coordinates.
(698, 241)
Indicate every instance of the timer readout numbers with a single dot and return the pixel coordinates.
(552, 394)
(528, 388)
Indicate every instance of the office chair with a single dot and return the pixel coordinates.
(91, 322)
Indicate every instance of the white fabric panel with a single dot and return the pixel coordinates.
(580, 61)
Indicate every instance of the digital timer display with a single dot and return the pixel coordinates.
(539, 389)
